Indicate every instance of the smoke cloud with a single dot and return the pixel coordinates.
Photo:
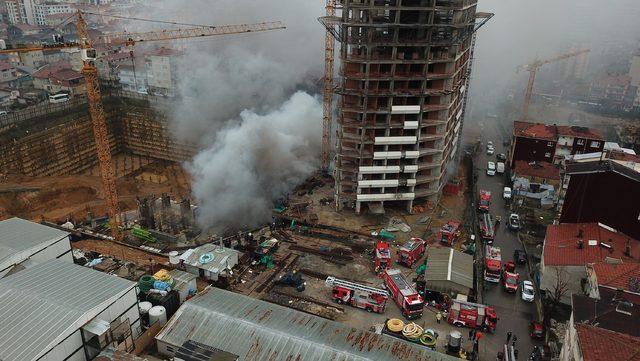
(255, 161)
(240, 100)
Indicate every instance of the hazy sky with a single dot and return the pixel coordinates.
(522, 30)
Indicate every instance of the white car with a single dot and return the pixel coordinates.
(491, 168)
(490, 151)
(490, 144)
(528, 292)
(506, 193)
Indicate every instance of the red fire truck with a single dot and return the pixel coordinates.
(484, 200)
(510, 278)
(492, 264)
(382, 257)
(411, 251)
(472, 315)
(487, 230)
(450, 232)
(403, 293)
(356, 295)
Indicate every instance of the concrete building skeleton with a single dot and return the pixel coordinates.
(404, 72)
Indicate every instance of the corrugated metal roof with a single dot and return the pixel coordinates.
(447, 264)
(258, 330)
(19, 235)
(45, 303)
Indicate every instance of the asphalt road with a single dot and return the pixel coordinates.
(514, 314)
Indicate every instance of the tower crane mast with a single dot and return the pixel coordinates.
(330, 44)
(533, 70)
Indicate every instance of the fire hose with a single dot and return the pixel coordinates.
(429, 338)
(412, 331)
(395, 325)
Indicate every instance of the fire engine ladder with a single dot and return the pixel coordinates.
(332, 281)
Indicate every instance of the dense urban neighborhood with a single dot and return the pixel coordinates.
(333, 180)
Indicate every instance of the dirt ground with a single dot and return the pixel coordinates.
(59, 198)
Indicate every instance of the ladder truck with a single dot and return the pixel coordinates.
(368, 298)
(404, 294)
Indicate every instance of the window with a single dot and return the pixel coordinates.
(595, 144)
(549, 144)
(580, 141)
(547, 155)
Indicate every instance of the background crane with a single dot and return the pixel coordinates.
(94, 97)
(330, 43)
(533, 69)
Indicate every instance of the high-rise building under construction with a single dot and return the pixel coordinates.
(404, 74)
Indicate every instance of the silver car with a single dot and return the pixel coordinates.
(528, 292)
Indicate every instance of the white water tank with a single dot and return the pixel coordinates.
(145, 306)
(173, 257)
(157, 314)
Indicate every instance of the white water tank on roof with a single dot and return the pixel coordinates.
(173, 257)
(145, 306)
(157, 314)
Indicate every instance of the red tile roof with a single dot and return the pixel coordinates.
(534, 130)
(560, 245)
(544, 170)
(580, 132)
(617, 275)
(598, 344)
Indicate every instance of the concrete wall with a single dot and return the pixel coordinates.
(61, 142)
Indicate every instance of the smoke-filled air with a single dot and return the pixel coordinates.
(250, 102)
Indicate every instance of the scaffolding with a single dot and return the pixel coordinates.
(404, 70)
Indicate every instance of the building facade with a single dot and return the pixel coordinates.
(603, 191)
(404, 71)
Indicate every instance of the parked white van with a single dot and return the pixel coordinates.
(58, 98)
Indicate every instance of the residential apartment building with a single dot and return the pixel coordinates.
(602, 188)
(568, 247)
(35, 12)
(57, 78)
(577, 140)
(596, 331)
(161, 69)
(537, 142)
(405, 67)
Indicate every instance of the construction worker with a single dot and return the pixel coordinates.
(438, 317)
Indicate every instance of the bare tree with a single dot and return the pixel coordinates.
(560, 285)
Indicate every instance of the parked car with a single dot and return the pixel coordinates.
(491, 168)
(514, 222)
(536, 330)
(490, 144)
(519, 256)
(500, 167)
(528, 292)
(501, 157)
(490, 150)
(506, 193)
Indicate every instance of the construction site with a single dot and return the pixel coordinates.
(107, 169)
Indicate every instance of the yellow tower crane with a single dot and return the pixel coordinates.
(90, 72)
(533, 70)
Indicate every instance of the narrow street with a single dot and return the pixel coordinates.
(514, 314)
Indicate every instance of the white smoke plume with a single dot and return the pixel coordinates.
(255, 161)
(240, 100)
